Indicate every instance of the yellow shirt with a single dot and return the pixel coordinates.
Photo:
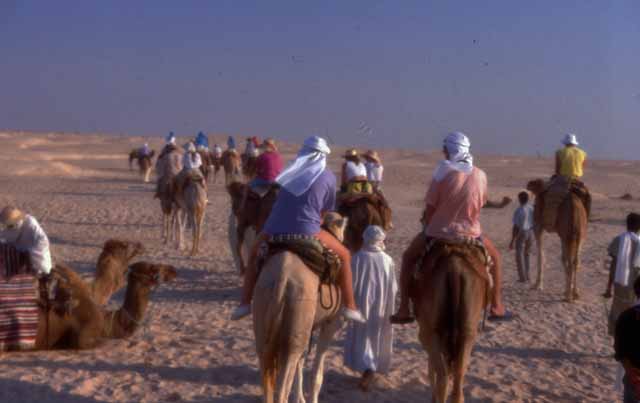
(571, 160)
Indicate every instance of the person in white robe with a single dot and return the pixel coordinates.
(369, 345)
(25, 233)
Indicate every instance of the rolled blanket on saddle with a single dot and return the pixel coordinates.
(555, 193)
(18, 300)
(321, 260)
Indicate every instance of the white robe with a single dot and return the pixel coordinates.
(31, 238)
(370, 345)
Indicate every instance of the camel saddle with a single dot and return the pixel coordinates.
(320, 259)
(260, 191)
(555, 193)
(470, 249)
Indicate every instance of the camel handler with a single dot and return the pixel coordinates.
(570, 163)
(191, 163)
(454, 200)
(354, 174)
(268, 167)
(169, 163)
(25, 233)
(624, 251)
(308, 192)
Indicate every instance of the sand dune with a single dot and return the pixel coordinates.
(83, 193)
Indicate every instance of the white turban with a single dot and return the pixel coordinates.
(460, 159)
(311, 161)
(374, 237)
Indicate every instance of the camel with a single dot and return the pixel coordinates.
(249, 166)
(571, 227)
(144, 163)
(251, 218)
(362, 212)
(232, 166)
(193, 202)
(448, 298)
(168, 206)
(207, 163)
(111, 269)
(73, 321)
(289, 303)
(217, 164)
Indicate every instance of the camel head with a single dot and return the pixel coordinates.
(335, 224)
(125, 249)
(151, 274)
(536, 186)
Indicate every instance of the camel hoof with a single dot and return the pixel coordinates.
(537, 287)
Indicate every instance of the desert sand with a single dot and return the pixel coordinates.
(81, 190)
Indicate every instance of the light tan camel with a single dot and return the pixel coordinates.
(289, 303)
(193, 203)
(232, 166)
(168, 206)
(112, 267)
(448, 299)
(74, 321)
(248, 220)
(571, 227)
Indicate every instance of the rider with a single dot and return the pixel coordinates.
(250, 149)
(169, 162)
(217, 151)
(144, 151)
(25, 233)
(354, 174)
(308, 191)
(191, 163)
(374, 169)
(457, 192)
(169, 146)
(570, 159)
(231, 143)
(268, 167)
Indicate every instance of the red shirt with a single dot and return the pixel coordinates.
(269, 166)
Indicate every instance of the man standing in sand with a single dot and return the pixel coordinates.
(627, 348)
(625, 268)
(522, 235)
(455, 197)
(25, 233)
(369, 346)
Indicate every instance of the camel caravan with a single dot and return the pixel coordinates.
(305, 243)
(48, 306)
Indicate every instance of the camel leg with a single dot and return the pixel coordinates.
(286, 375)
(299, 396)
(441, 387)
(178, 228)
(147, 172)
(567, 266)
(240, 230)
(325, 338)
(232, 234)
(575, 269)
(539, 280)
(460, 369)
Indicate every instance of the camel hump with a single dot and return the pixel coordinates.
(285, 269)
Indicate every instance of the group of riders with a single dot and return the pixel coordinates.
(309, 190)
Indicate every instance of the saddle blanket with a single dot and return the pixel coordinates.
(18, 312)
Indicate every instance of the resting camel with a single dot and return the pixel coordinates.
(362, 210)
(193, 202)
(144, 163)
(251, 218)
(111, 269)
(232, 166)
(571, 227)
(289, 303)
(74, 321)
(448, 298)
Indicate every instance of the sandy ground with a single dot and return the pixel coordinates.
(81, 190)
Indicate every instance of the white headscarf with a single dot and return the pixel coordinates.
(374, 237)
(311, 161)
(570, 139)
(171, 138)
(460, 159)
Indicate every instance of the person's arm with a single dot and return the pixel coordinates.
(427, 215)
(39, 253)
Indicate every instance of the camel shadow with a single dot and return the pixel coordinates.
(26, 392)
(229, 375)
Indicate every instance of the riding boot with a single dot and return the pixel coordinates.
(409, 259)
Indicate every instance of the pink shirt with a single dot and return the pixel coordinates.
(457, 199)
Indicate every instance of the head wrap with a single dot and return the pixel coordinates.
(171, 138)
(311, 161)
(231, 142)
(460, 159)
(374, 237)
(191, 147)
(570, 139)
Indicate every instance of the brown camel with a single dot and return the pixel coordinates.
(193, 202)
(232, 167)
(168, 206)
(143, 279)
(252, 217)
(249, 166)
(289, 303)
(207, 163)
(111, 269)
(144, 163)
(362, 210)
(448, 298)
(571, 227)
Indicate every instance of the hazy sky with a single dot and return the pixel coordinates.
(514, 75)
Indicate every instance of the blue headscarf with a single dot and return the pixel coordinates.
(202, 140)
(171, 138)
(231, 142)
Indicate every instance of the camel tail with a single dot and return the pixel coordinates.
(452, 315)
